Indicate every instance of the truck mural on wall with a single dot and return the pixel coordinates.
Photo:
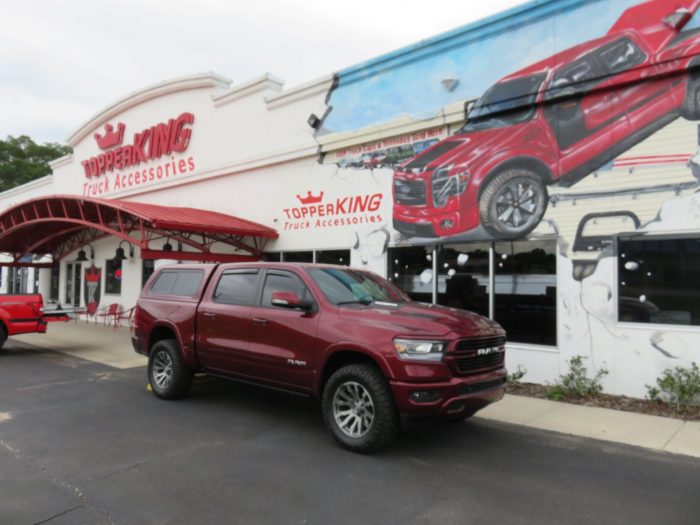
(555, 121)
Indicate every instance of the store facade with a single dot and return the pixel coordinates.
(528, 167)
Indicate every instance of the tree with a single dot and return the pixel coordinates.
(22, 160)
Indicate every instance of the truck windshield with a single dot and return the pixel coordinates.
(505, 103)
(347, 286)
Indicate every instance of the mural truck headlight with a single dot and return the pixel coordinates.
(446, 185)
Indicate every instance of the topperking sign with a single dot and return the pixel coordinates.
(122, 166)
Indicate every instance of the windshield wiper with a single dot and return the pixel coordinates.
(364, 300)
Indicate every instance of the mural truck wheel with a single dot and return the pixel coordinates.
(513, 203)
(691, 104)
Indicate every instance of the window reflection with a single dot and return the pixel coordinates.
(658, 280)
(411, 269)
(464, 277)
(526, 290)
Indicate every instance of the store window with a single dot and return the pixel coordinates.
(55, 280)
(272, 256)
(464, 276)
(340, 257)
(411, 269)
(658, 280)
(526, 290)
(148, 266)
(303, 257)
(113, 277)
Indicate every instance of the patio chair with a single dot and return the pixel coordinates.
(124, 315)
(108, 314)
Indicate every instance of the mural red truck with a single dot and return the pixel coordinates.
(345, 337)
(553, 122)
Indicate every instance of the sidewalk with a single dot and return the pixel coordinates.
(113, 348)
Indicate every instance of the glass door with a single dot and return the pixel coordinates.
(73, 284)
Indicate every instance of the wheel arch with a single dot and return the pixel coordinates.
(342, 355)
(524, 162)
(161, 332)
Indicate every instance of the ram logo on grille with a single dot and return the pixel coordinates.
(490, 350)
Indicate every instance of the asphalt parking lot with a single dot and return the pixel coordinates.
(84, 443)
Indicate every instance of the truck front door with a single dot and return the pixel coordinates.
(223, 322)
(283, 340)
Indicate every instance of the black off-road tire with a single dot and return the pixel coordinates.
(496, 196)
(168, 377)
(691, 104)
(3, 335)
(385, 423)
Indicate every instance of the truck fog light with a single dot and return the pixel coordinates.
(425, 396)
(447, 224)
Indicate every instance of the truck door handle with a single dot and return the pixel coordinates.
(210, 315)
(259, 320)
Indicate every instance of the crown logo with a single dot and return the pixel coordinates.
(110, 138)
(93, 274)
(310, 199)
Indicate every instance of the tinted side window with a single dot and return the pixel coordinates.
(183, 283)
(622, 55)
(283, 282)
(237, 288)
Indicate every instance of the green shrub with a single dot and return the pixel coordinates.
(576, 383)
(679, 387)
(517, 375)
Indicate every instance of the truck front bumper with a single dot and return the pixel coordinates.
(459, 395)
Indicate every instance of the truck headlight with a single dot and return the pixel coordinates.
(420, 350)
(445, 185)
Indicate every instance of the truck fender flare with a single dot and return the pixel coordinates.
(354, 347)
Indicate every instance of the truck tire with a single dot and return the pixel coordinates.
(691, 104)
(3, 335)
(169, 378)
(513, 203)
(358, 408)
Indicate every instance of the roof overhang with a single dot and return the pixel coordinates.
(58, 225)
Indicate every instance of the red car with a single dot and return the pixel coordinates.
(554, 122)
(345, 337)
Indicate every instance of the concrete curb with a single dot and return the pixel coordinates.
(651, 432)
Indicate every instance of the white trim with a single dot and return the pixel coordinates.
(199, 81)
(300, 92)
(688, 329)
(263, 83)
(37, 183)
(531, 347)
(61, 161)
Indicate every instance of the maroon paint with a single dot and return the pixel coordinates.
(289, 348)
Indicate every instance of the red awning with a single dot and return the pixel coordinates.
(58, 225)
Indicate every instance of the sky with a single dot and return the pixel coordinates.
(63, 62)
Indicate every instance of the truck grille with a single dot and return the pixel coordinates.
(478, 355)
(409, 192)
(415, 229)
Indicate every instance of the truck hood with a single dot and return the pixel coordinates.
(420, 319)
(466, 147)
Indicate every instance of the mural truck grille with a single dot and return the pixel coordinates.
(410, 192)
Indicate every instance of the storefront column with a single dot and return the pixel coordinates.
(492, 281)
(435, 274)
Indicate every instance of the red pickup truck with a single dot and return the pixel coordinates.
(21, 314)
(346, 337)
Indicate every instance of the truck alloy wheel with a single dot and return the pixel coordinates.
(513, 203)
(358, 408)
(353, 409)
(169, 377)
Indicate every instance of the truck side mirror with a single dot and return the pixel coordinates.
(287, 299)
